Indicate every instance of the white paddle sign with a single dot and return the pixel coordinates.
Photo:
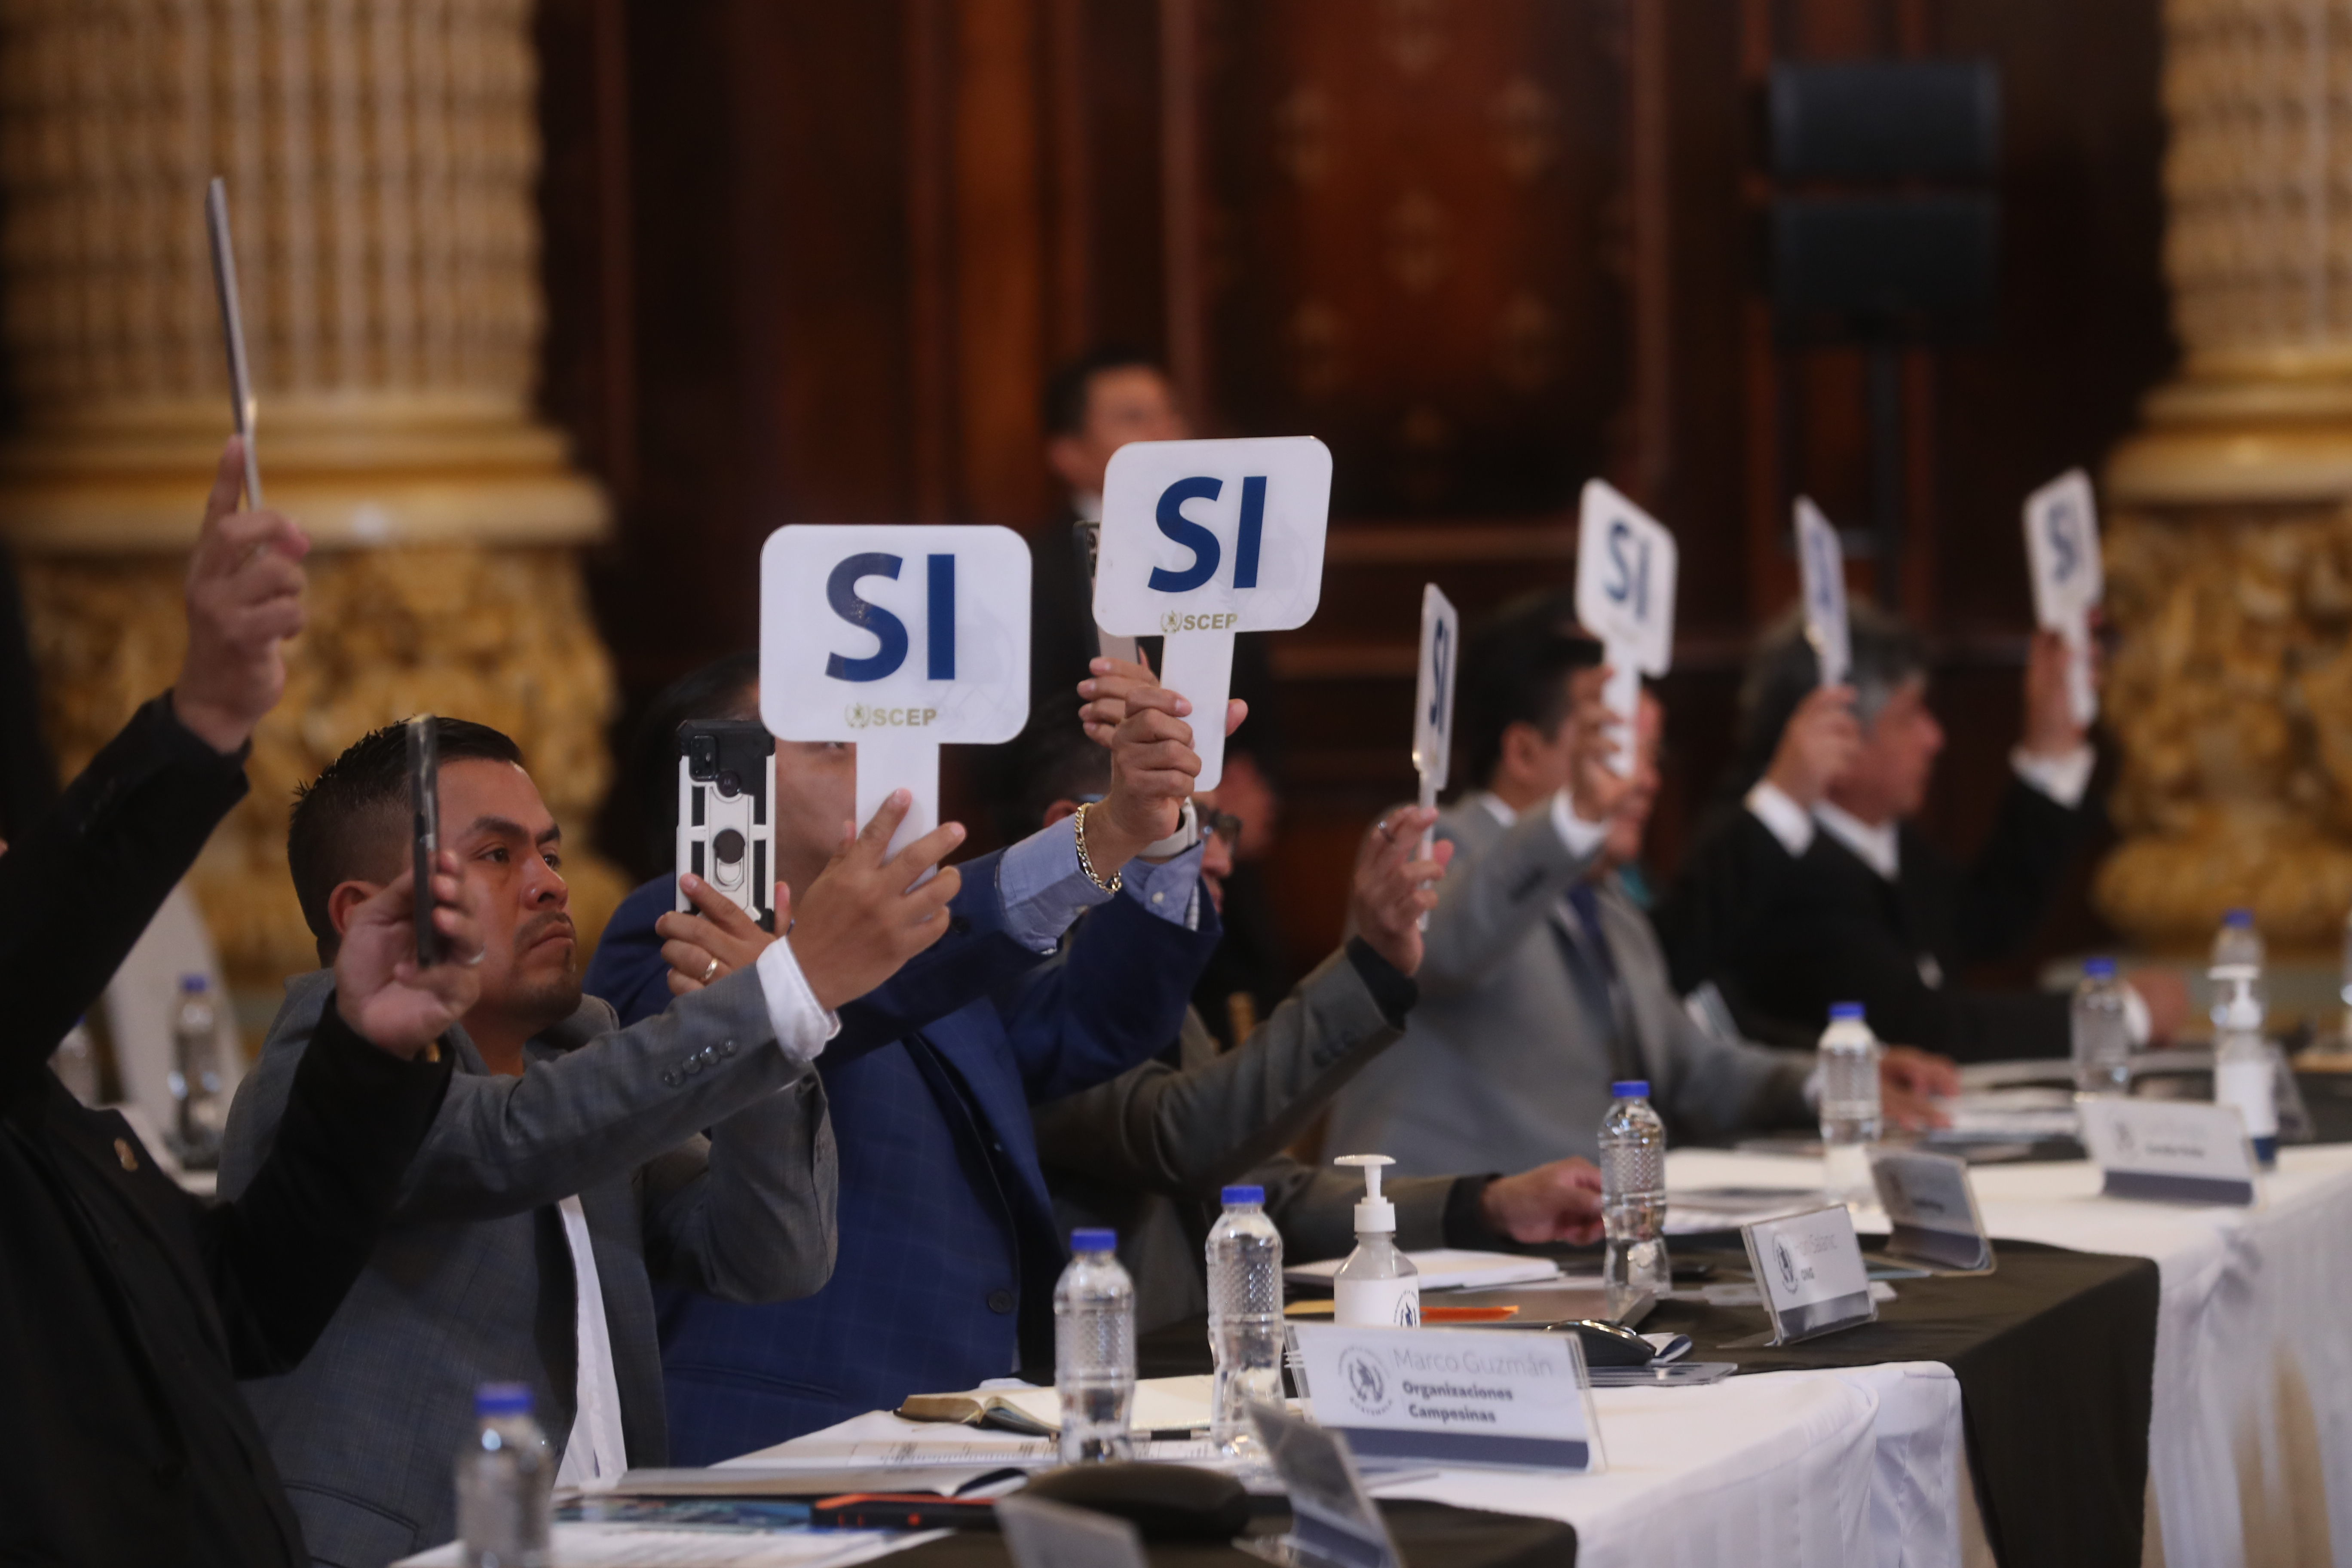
(1625, 566)
(1820, 568)
(2061, 546)
(1204, 539)
(898, 639)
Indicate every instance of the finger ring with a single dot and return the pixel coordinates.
(709, 970)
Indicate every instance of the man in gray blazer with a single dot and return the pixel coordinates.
(1543, 982)
(568, 1167)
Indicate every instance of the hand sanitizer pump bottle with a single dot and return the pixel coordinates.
(1378, 1287)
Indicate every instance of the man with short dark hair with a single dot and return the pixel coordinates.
(1815, 889)
(573, 1163)
(1542, 983)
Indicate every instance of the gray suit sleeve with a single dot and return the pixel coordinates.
(1184, 1133)
(748, 1213)
(509, 1146)
(1492, 898)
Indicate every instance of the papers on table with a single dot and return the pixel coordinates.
(609, 1545)
(1445, 1267)
(2028, 1115)
(1161, 1404)
(1693, 1210)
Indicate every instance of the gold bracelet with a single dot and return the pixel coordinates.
(1078, 823)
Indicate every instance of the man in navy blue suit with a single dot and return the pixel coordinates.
(948, 1247)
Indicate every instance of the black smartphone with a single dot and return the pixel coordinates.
(902, 1511)
(425, 820)
(726, 829)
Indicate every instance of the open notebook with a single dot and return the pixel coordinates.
(1161, 1404)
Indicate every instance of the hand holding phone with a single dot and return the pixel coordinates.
(726, 823)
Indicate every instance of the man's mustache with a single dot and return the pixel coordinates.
(539, 926)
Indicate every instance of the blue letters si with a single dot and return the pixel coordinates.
(1192, 535)
(2062, 540)
(1437, 685)
(841, 592)
(943, 618)
(1633, 582)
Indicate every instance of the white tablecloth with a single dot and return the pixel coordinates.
(1785, 1469)
(2250, 1441)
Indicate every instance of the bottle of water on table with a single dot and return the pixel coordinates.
(1633, 1196)
(2102, 1031)
(2243, 1075)
(199, 1108)
(1093, 1350)
(504, 1478)
(1850, 1116)
(1244, 1316)
(2238, 954)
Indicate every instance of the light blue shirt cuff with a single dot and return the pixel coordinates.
(1043, 889)
(1170, 889)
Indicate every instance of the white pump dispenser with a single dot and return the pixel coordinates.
(1377, 1285)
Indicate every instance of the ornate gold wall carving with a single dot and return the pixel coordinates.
(2230, 543)
(379, 155)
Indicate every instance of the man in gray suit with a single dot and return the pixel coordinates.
(567, 1167)
(1543, 982)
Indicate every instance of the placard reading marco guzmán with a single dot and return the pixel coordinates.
(1458, 1396)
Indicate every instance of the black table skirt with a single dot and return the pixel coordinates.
(2055, 1353)
(1428, 1534)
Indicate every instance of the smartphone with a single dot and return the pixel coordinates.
(726, 826)
(902, 1511)
(425, 824)
(232, 319)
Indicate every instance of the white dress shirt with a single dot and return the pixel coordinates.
(596, 1452)
(1581, 837)
(2062, 778)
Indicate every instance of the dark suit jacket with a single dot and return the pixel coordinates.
(127, 1308)
(947, 1246)
(1785, 936)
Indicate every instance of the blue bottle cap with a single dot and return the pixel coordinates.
(189, 982)
(1243, 1195)
(1629, 1089)
(1094, 1241)
(1845, 1012)
(2242, 920)
(2099, 968)
(502, 1399)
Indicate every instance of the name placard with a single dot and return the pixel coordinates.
(1626, 564)
(897, 637)
(1334, 1523)
(1204, 539)
(2169, 1151)
(1810, 1271)
(1931, 1206)
(1455, 1396)
(2061, 547)
(1820, 570)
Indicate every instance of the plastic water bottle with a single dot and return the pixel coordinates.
(1244, 1316)
(1633, 1196)
(1849, 1068)
(2102, 1031)
(2237, 955)
(2343, 1041)
(504, 1478)
(75, 1061)
(1378, 1287)
(1093, 1350)
(2243, 1076)
(197, 1105)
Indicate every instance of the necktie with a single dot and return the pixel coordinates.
(1595, 968)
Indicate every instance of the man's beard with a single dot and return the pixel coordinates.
(550, 997)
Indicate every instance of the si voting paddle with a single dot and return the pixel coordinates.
(897, 637)
(240, 379)
(2062, 545)
(1820, 568)
(1433, 702)
(1204, 539)
(1625, 568)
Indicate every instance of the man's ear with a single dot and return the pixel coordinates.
(1520, 740)
(1058, 810)
(346, 898)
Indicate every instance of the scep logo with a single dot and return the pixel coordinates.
(872, 630)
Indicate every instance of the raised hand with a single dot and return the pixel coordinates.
(2051, 730)
(1558, 1201)
(1395, 885)
(864, 917)
(1113, 682)
(719, 939)
(245, 599)
(1152, 768)
(1595, 789)
(1817, 747)
(379, 989)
